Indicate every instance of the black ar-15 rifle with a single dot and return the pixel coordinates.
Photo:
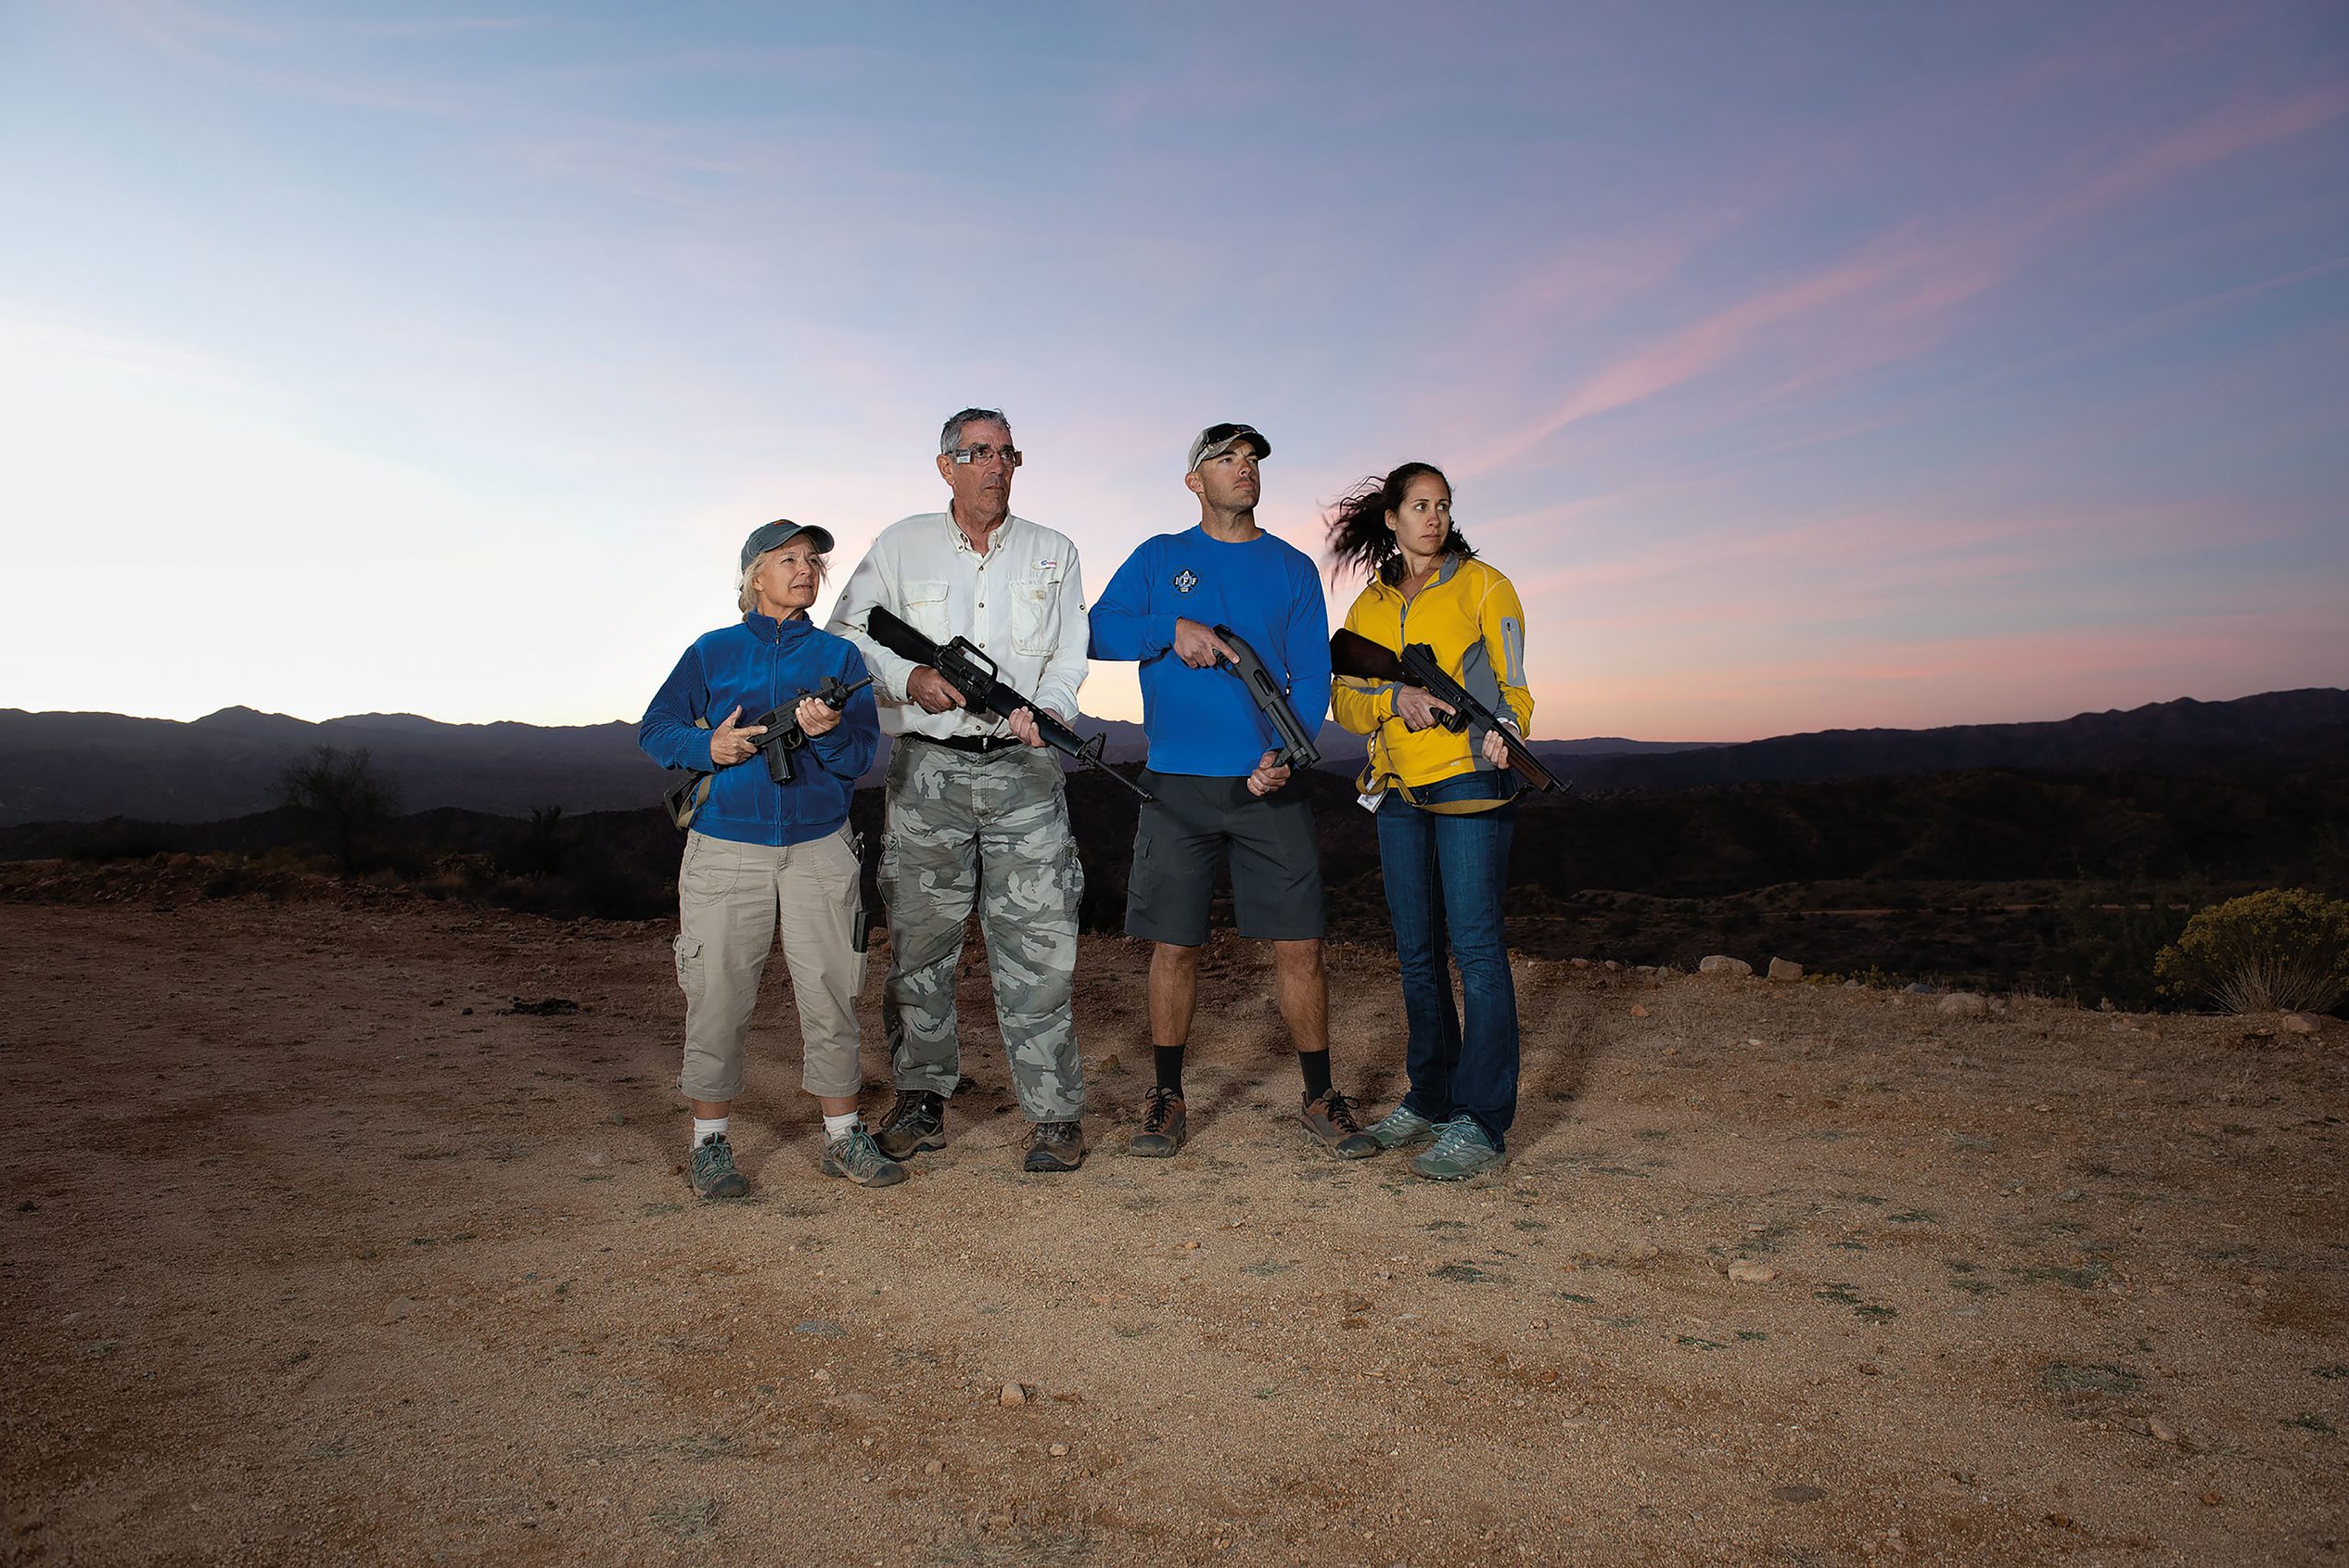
(1297, 748)
(969, 671)
(784, 736)
(1350, 653)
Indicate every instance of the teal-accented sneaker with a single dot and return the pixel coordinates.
(711, 1169)
(1461, 1149)
(1400, 1126)
(857, 1157)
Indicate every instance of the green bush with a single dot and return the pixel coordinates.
(2112, 939)
(2284, 950)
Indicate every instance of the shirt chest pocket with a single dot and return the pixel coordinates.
(1035, 616)
(926, 611)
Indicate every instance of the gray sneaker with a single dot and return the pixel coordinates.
(711, 1169)
(857, 1157)
(1400, 1126)
(1461, 1149)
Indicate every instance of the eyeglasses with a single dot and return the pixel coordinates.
(1010, 455)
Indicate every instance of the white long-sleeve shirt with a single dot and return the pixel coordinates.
(1022, 602)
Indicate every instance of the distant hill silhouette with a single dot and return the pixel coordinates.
(82, 767)
(2170, 737)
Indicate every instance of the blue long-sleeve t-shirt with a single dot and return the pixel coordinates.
(1203, 721)
(760, 665)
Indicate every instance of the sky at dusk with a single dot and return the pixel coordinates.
(1804, 365)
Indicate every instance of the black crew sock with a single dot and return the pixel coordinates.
(1316, 1066)
(1168, 1060)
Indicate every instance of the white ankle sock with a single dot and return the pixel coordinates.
(704, 1129)
(838, 1127)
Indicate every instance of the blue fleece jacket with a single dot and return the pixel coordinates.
(760, 665)
(1203, 721)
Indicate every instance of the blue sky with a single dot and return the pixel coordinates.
(1804, 365)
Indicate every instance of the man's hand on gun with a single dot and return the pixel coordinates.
(729, 744)
(1196, 644)
(1026, 730)
(959, 673)
(933, 691)
(1269, 774)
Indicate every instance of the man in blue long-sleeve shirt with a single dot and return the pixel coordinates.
(1213, 767)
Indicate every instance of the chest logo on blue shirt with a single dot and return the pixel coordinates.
(1185, 580)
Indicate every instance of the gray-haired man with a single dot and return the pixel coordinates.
(976, 808)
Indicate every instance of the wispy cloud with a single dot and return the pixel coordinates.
(1896, 297)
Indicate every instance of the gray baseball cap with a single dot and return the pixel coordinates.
(782, 531)
(1217, 440)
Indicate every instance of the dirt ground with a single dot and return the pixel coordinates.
(315, 1251)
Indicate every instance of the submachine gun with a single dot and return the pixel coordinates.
(967, 668)
(1350, 653)
(783, 737)
(1297, 748)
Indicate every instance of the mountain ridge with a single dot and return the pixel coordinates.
(78, 767)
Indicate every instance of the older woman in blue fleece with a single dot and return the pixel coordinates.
(762, 854)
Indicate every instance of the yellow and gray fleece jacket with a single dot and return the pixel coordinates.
(1470, 616)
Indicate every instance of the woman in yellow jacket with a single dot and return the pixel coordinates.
(1445, 815)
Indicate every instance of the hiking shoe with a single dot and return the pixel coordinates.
(711, 1169)
(859, 1158)
(1461, 1149)
(918, 1121)
(1162, 1126)
(1056, 1146)
(1400, 1126)
(1331, 1120)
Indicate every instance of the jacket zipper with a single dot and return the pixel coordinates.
(774, 700)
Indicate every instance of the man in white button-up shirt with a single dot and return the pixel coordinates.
(976, 807)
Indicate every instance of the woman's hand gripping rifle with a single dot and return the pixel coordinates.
(1350, 653)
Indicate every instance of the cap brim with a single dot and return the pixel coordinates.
(755, 546)
(1255, 437)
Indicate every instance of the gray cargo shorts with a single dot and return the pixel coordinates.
(1197, 821)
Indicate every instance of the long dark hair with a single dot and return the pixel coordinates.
(1359, 537)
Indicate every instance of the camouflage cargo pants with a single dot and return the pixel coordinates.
(991, 828)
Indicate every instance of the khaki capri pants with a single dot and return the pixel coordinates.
(732, 899)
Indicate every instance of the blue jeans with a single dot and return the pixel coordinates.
(1444, 879)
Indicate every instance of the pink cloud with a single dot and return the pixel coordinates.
(1899, 295)
(2229, 134)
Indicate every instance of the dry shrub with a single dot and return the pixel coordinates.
(2282, 951)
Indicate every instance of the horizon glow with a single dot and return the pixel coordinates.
(1806, 367)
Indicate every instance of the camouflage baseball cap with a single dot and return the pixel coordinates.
(1217, 440)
